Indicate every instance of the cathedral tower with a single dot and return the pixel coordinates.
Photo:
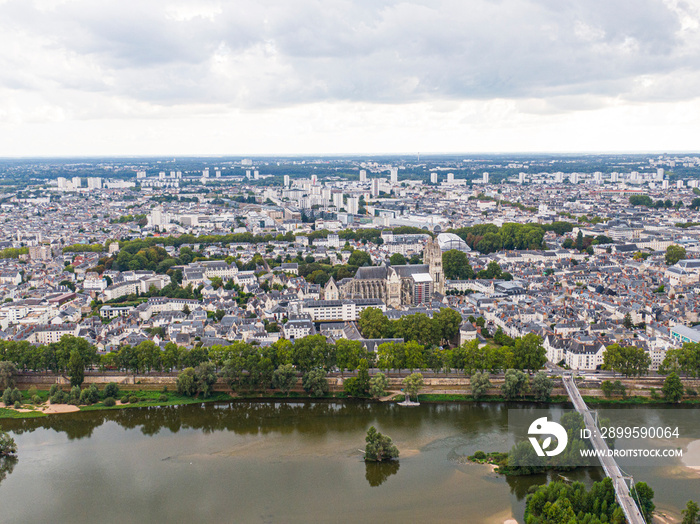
(433, 258)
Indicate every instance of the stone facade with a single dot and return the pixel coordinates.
(394, 285)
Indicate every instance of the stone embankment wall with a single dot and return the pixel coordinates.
(434, 385)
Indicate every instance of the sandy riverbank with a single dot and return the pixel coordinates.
(49, 409)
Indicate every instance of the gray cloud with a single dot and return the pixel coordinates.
(257, 54)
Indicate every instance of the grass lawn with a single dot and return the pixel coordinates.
(13, 413)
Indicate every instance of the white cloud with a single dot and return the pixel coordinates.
(365, 73)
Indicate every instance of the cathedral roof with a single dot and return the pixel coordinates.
(408, 270)
(371, 273)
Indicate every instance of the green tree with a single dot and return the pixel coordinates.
(315, 382)
(628, 360)
(359, 258)
(414, 355)
(374, 324)
(348, 354)
(170, 357)
(7, 397)
(8, 446)
(627, 321)
(480, 382)
(187, 382)
(378, 384)
(447, 322)
(284, 378)
(542, 386)
(515, 384)
(363, 376)
(579, 240)
(691, 513)
(529, 353)
(607, 388)
(566, 503)
(89, 395)
(397, 259)
(312, 352)
(111, 390)
(413, 384)
(674, 253)
(8, 374)
(379, 447)
(455, 265)
(205, 378)
(233, 372)
(643, 495)
(76, 368)
(391, 355)
(149, 356)
(673, 388)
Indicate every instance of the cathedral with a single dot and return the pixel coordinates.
(407, 285)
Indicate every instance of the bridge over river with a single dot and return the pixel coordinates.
(612, 470)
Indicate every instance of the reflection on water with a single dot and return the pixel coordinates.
(376, 473)
(276, 462)
(7, 464)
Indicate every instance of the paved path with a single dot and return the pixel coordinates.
(612, 470)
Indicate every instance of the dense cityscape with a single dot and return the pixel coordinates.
(583, 251)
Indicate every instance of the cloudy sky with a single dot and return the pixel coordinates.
(123, 77)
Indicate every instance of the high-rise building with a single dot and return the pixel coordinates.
(433, 177)
(39, 252)
(338, 200)
(353, 205)
(62, 183)
(314, 180)
(573, 178)
(486, 178)
(679, 184)
(157, 218)
(521, 178)
(450, 178)
(660, 173)
(286, 180)
(664, 184)
(615, 177)
(205, 173)
(375, 187)
(363, 176)
(94, 183)
(76, 182)
(394, 175)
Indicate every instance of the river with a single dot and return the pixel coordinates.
(279, 462)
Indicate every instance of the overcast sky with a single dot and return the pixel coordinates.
(123, 77)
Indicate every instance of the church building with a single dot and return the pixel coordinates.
(406, 285)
